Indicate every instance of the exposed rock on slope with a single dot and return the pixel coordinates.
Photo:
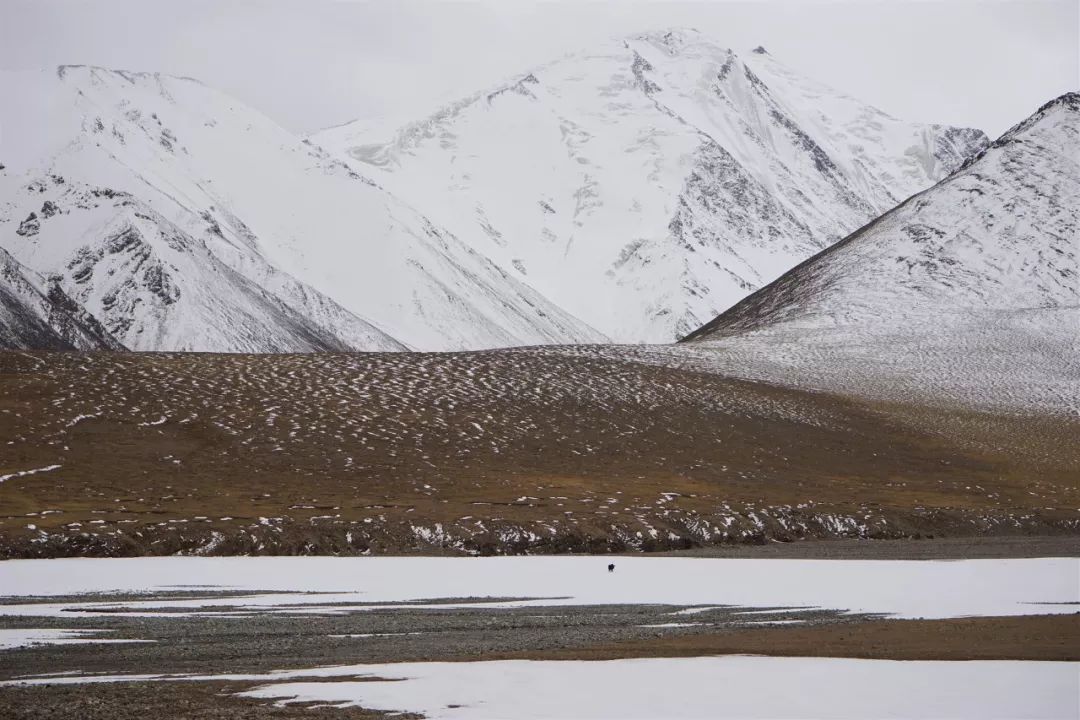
(185, 221)
(968, 290)
(650, 183)
(37, 314)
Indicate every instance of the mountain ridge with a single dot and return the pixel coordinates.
(755, 307)
(966, 293)
(614, 169)
(232, 210)
(37, 314)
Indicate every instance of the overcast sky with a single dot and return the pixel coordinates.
(315, 63)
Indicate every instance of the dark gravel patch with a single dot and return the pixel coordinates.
(163, 700)
(217, 644)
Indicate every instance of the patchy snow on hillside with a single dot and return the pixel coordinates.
(968, 292)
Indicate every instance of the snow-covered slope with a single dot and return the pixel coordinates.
(183, 220)
(647, 184)
(969, 289)
(37, 314)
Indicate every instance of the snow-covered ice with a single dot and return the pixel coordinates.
(734, 686)
(708, 687)
(908, 589)
(712, 687)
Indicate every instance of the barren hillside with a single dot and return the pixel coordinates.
(551, 449)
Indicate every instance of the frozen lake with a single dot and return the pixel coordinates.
(899, 588)
(734, 686)
(713, 687)
(679, 592)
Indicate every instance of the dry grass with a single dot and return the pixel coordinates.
(506, 450)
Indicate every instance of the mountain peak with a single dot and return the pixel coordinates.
(674, 40)
(183, 220)
(667, 176)
(1070, 99)
(1068, 103)
(995, 235)
(130, 76)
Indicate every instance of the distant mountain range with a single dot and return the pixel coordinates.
(181, 220)
(650, 183)
(628, 192)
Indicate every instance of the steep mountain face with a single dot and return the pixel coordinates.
(36, 314)
(969, 289)
(651, 183)
(184, 221)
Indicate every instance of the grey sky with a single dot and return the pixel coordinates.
(316, 63)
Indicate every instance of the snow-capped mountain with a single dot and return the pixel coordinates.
(37, 314)
(968, 290)
(648, 184)
(182, 220)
